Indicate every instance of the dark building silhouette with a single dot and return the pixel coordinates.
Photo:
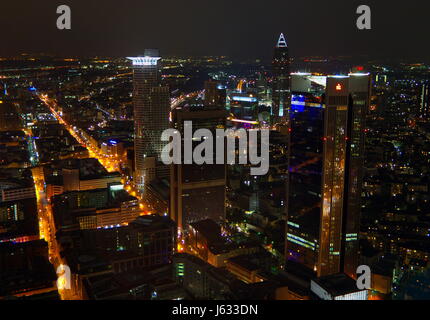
(214, 94)
(425, 102)
(197, 191)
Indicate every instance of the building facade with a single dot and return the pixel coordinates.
(325, 177)
(197, 191)
(281, 81)
(151, 103)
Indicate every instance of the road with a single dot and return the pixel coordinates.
(111, 164)
(47, 226)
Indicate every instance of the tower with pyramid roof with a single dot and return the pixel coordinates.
(281, 92)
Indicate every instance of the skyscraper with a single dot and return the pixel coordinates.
(151, 103)
(214, 94)
(197, 192)
(304, 178)
(359, 101)
(424, 103)
(326, 161)
(281, 81)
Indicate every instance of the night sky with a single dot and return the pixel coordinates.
(239, 28)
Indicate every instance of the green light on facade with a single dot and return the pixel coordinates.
(180, 270)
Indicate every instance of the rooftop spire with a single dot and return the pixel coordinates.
(282, 43)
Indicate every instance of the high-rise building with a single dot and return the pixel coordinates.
(359, 101)
(215, 95)
(425, 102)
(281, 81)
(197, 192)
(151, 103)
(326, 161)
(304, 177)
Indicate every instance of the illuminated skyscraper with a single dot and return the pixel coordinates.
(334, 185)
(151, 115)
(359, 101)
(281, 81)
(326, 161)
(304, 177)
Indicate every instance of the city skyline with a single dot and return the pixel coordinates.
(146, 175)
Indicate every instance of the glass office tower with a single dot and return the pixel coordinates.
(325, 177)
